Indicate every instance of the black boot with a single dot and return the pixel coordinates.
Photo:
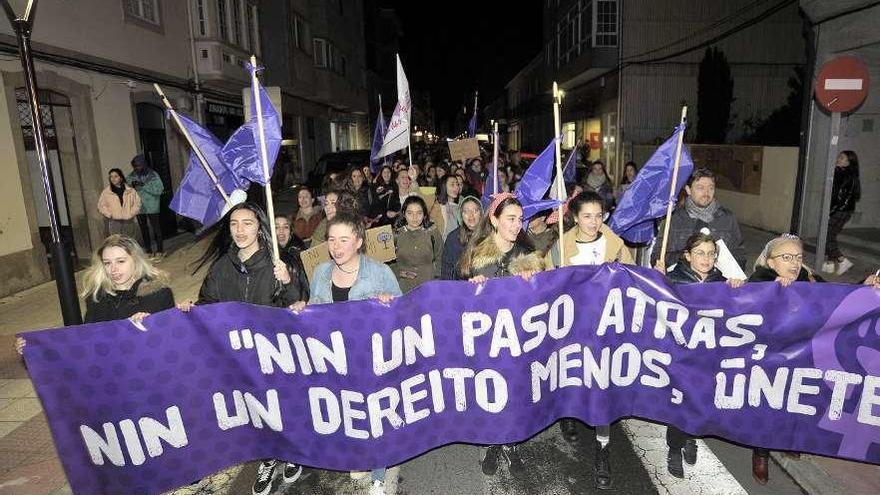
(569, 429)
(490, 462)
(515, 462)
(673, 463)
(602, 467)
(690, 451)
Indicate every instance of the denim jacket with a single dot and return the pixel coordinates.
(373, 278)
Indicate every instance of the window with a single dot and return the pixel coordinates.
(249, 29)
(567, 35)
(605, 23)
(204, 53)
(331, 56)
(299, 32)
(202, 14)
(236, 22)
(143, 10)
(222, 23)
(319, 49)
(586, 24)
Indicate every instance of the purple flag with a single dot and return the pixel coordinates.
(647, 197)
(242, 151)
(378, 139)
(535, 182)
(472, 124)
(569, 170)
(144, 412)
(198, 197)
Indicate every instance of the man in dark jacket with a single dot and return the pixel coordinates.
(699, 210)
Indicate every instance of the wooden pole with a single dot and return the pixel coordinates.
(672, 189)
(560, 184)
(192, 145)
(495, 158)
(264, 155)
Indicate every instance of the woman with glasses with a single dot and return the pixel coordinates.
(782, 260)
(696, 266)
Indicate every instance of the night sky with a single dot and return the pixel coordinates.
(451, 48)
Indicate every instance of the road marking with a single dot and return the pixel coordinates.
(707, 476)
(844, 84)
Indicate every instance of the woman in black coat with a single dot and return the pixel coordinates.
(845, 193)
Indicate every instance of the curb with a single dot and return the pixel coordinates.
(812, 479)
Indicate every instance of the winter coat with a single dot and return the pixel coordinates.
(445, 217)
(452, 250)
(304, 227)
(489, 261)
(145, 295)
(418, 251)
(111, 208)
(150, 189)
(373, 279)
(615, 249)
(767, 274)
(846, 190)
(684, 274)
(252, 281)
(290, 256)
(723, 226)
(543, 241)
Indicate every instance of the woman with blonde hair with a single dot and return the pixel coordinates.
(122, 283)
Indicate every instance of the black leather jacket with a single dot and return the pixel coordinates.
(846, 190)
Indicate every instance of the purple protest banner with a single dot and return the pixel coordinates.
(359, 385)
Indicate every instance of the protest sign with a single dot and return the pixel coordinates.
(463, 149)
(380, 243)
(361, 385)
(313, 257)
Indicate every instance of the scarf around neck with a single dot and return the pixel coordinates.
(119, 191)
(706, 214)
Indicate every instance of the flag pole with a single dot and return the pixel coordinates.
(264, 155)
(495, 158)
(192, 145)
(560, 184)
(672, 189)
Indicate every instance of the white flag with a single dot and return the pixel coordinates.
(397, 136)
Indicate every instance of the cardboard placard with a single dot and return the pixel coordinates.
(380, 247)
(380, 244)
(463, 149)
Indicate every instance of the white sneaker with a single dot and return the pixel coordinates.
(828, 267)
(377, 487)
(844, 265)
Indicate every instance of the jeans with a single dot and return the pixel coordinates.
(151, 231)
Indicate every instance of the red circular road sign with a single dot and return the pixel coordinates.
(842, 84)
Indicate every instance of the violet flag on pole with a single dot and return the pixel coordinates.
(535, 182)
(197, 197)
(378, 139)
(568, 174)
(397, 135)
(647, 197)
(242, 152)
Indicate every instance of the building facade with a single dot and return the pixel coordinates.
(100, 110)
(315, 54)
(627, 66)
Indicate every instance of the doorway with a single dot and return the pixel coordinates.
(151, 129)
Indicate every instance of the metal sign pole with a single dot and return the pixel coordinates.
(826, 190)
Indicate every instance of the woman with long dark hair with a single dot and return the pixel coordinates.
(846, 191)
(457, 240)
(308, 215)
(120, 205)
(446, 212)
(599, 182)
(630, 170)
(242, 269)
(419, 245)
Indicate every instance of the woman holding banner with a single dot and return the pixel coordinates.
(242, 269)
(696, 266)
(351, 276)
(121, 283)
(419, 245)
(499, 248)
(590, 242)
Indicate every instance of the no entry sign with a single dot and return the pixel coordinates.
(842, 84)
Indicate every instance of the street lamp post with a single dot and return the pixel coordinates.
(61, 262)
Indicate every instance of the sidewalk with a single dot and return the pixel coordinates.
(29, 464)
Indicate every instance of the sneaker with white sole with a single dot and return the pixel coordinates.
(291, 472)
(844, 265)
(377, 487)
(265, 477)
(828, 267)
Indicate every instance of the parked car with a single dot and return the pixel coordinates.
(336, 162)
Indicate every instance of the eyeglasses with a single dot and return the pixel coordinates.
(788, 257)
(701, 254)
